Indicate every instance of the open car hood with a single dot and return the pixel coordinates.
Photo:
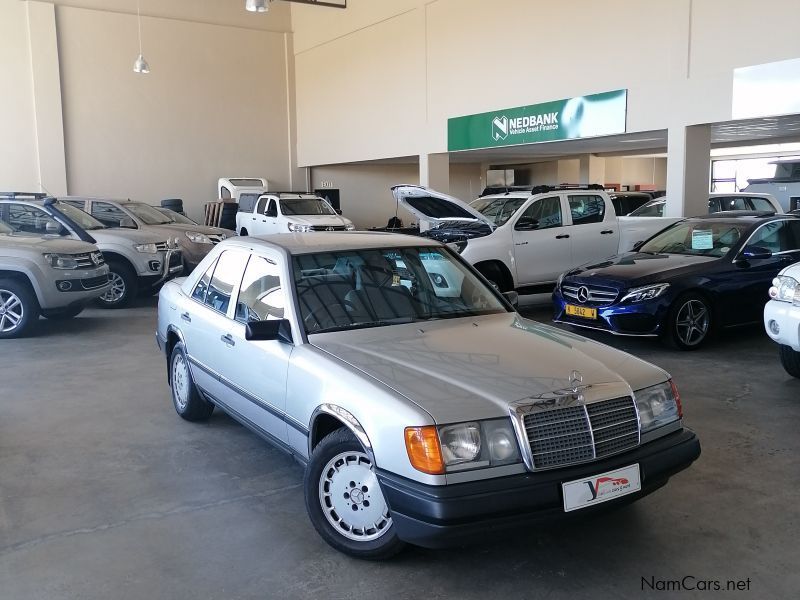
(435, 207)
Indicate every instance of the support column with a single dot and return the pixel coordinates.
(592, 169)
(688, 170)
(434, 171)
(48, 115)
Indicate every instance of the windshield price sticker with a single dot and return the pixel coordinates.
(702, 239)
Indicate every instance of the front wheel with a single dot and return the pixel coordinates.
(124, 286)
(790, 359)
(689, 322)
(243, 232)
(345, 502)
(19, 309)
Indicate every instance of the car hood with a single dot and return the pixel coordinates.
(58, 244)
(435, 207)
(626, 268)
(118, 235)
(474, 368)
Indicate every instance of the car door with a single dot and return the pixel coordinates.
(31, 219)
(258, 219)
(542, 245)
(594, 233)
(257, 370)
(756, 274)
(271, 215)
(207, 324)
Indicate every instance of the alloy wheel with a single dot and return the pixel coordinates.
(116, 292)
(12, 311)
(351, 498)
(692, 322)
(180, 381)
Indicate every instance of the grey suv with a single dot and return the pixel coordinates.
(139, 261)
(41, 275)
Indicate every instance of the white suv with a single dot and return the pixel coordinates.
(782, 317)
(287, 212)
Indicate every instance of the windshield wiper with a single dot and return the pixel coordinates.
(362, 325)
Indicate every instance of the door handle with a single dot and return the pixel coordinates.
(228, 339)
(185, 316)
(562, 236)
(607, 231)
(521, 244)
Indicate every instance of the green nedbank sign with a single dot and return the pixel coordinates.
(585, 116)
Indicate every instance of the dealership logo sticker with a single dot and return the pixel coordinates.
(499, 128)
(607, 485)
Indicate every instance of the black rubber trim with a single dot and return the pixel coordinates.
(437, 516)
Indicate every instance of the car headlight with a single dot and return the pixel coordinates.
(462, 446)
(658, 405)
(151, 248)
(61, 261)
(648, 292)
(785, 289)
(299, 227)
(198, 238)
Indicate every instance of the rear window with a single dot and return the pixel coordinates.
(247, 202)
(246, 182)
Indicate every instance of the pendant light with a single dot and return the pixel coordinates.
(256, 6)
(140, 65)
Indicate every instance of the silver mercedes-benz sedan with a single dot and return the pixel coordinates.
(426, 410)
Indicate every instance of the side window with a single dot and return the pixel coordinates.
(762, 204)
(775, 237)
(262, 205)
(201, 288)
(586, 209)
(76, 203)
(272, 210)
(32, 220)
(261, 297)
(542, 214)
(109, 215)
(730, 203)
(224, 193)
(227, 274)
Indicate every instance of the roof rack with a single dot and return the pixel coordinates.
(540, 189)
(36, 195)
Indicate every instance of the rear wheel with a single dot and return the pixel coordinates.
(243, 231)
(188, 402)
(19, 309)
(124, 285)
(689, 322)
(790, 359)
(345, 501)
(496, 276)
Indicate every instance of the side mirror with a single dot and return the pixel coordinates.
(513, 298)
(756, 253)
(263, 331)
(53, 228)
(527, 225)
(637, 246)
(338, 211)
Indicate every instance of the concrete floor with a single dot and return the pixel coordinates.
(106, 493)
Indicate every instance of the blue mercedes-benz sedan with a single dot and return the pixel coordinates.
(699, 274)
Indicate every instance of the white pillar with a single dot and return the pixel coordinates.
(592, 169)
(434, 171)
(688, 170)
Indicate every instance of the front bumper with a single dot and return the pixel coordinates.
(787, 318)
(637, 319)
(73, 288)
(441, 516)
(171, 266)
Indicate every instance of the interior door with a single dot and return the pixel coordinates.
(542, 243)
(594, 237)
(259, 368)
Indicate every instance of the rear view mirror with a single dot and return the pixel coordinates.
(513, 298)
(274, 329)
(756, 253)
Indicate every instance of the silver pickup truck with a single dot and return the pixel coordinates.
(426, 410)
(44, 275)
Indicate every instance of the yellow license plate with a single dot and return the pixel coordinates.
(582, 311)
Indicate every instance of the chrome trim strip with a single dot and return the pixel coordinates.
(591, 431)
(611, 331)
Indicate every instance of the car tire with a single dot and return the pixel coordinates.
(689, 322)
(124, 285)
(186, 398)
(790, 359)
(19, 309)
(495, 276)
(340, 475)
(243, 232)
(64, 314)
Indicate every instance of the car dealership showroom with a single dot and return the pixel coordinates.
(527, 323)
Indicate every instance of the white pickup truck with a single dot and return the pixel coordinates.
(525, 239)
(288, 212)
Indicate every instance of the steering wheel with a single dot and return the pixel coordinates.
(326, 316)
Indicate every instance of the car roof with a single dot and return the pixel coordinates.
(99, 199)
(308, 243)
(734, 216)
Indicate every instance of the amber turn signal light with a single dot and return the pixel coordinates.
(677, 398)
(424, 451)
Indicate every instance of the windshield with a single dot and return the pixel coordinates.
(698, 238)
(654, 208)
(147, 214)
(83, 219)
(306, 206)
(497, 210)
(353, 289)
(175, 217)
(5, 228)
